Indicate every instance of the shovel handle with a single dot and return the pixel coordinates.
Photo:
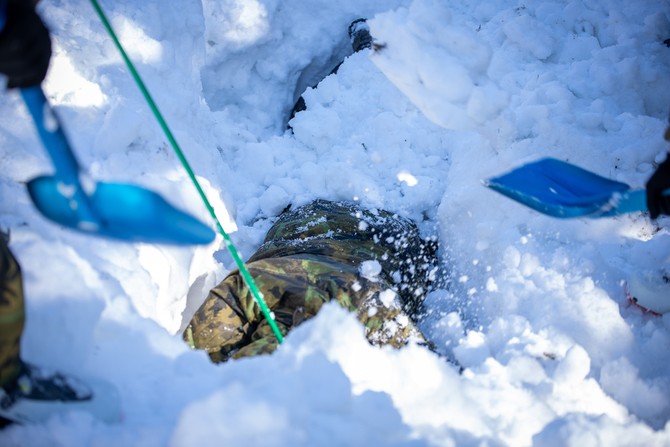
(51, 134)
(56, 144)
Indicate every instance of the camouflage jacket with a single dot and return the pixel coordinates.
(11, 313)
(314, 254)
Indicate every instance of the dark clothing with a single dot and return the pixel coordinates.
(657, 202)
(25, 45)
(11, 314)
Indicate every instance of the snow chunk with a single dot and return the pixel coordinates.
(370, 270)
(274, 200)
(441, 66)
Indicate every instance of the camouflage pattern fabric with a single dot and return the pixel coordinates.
(11, 314)
(312, 255)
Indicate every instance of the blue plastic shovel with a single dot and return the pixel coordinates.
(560, 189)
(113, 210)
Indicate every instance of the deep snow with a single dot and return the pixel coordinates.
(532, 307)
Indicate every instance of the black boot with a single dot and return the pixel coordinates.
(359, 34)
(37, 393)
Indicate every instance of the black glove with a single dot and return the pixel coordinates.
(25, 46)
(656, 202)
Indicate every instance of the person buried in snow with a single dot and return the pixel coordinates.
(372, 262)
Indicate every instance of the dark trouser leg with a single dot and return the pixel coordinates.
(11, 314)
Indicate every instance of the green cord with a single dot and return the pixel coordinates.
(228, 242)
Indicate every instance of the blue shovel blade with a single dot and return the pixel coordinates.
(559, 189)
(125, 212)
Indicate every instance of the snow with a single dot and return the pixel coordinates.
(531, 307)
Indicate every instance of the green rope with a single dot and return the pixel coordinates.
(228, 242)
